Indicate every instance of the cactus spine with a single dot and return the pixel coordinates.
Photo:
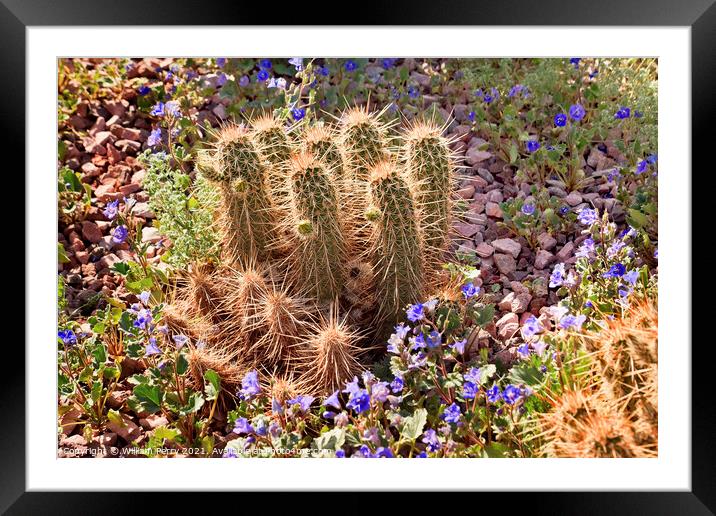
(364, 140)
(319, 255)
(274, 146)
(396, 242)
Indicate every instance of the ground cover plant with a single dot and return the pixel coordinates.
(384, 257)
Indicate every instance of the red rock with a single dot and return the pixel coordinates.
(91, 231)
(117, 108)
(82, 256)
(114, 155)
(108, 260)
(505, 263)
(90, 170)
(543, 259)
(153, 421)
(138, 177)
(507, 326)
(467, 230)
(466, 192)
(106, 192)
(484, 250)
(566, 252)
(129, 188)
(508, 246)
(493, 210)
(128, 431)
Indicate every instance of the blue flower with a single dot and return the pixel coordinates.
(430, 437)
(651, 159)
(512, 394)
(323, 71)
(570, 321)
(144, 297)
(575, 61)
(221, 80)
(68, 337)
(152, 348)
(587, 216)
(220, 62)
(532, 145)
(340, 454)
(641, 166)
(242, 426)
(382, 452)
(531, 327)
(469, 290)
(262, 75)
(244, 81)
(469, 390)
(622, 113)
(397, 384)
(143, 90)
(543, 368)
(563, 210)
(615, 271)
(144, 319)
(413, 92)
(656, 253)
(359, 401)
(229, 453)
(516, 89)
(451, 414)
(119, 234)
(558, 275)
(523, 351)
(433, 339)
(593, 74)
(471, 116)
(459, 346)
(577, 112)
(180, 340)
(172, 108)
(631, 277)
(110, 211)
(478, 93)
(250, 385)
(585, 249)
(350, 65)
(560, 120)
(493, 394)
(528, 209)
(303, 402)
(298, 113)
(265, 64)
(297, 63)
(333, 401)
(388, 62)
(415, 313)
(379, 392)
(155, 137)
(473, 375)
(157, 109)
(638, 114)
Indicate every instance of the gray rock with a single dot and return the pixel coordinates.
(507, 245)
(505, 263)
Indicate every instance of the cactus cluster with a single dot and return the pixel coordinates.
(614, 413)
(328, 232)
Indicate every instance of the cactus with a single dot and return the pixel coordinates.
(429, 165)
(248, 213)
(321, 141)
(274, 146)
(330, 355)
(395, 242)
(319, 250)
(364, 140)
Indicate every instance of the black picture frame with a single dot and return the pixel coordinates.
(699, 15)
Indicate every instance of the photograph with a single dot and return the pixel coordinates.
(342, 257)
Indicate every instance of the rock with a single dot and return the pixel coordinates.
(219, 111)
(486, 175)
(127, 145)
(142, 209)
(546, 241)
(477, 182)
(106, 193)
(108, 261)
(138, 177)
(519, 288)
(505, 263)
(475, 156)
(484, 250)
(151, 234)
(467, 230)
(73, 446)
(507, 245)
(129, 431)
(573, 199)
(129, 188)
(116, 108)
(543, 259)
(107, 439)
(91, 231)
(566, 252)
(495, 196)
(117, 398)
(507, 326)
(493, 210)
(515, 303)
(506, 356)
(153, 421)
(466, 192)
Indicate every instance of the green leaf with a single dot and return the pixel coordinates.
(148, 396)
(61, 253)
(526, 374)
(121, 267)
(487, 372)
(496, 451)
(514, 153)
(637, 219)
(213, 385)
(331, 440)
(484, 316)
(182, 364)
(412, 426)
(115, 417)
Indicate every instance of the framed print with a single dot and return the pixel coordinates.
(440, 240)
